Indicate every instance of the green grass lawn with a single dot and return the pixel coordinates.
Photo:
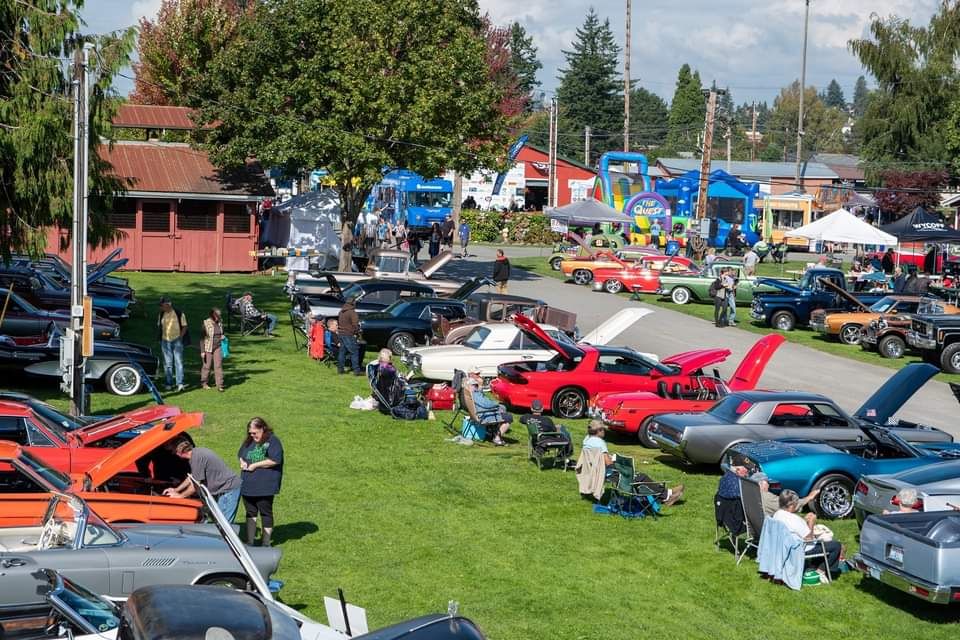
(801, 335)
(405, 522)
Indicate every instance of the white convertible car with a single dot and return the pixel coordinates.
(491, 344)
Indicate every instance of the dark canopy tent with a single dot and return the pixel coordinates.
(921, 226)
(587, 212)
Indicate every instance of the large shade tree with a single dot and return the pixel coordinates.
(36, 143)
(822, 125)
(357, 86)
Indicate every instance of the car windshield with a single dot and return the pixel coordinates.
(891, 441)
(353, 291)
(392, 264)
(730, 408)
(53, 415)
(101, 614)
(54, 426)
(429, 199)
(883, 305)
(66, 514)
(57, 479)
(476, 338)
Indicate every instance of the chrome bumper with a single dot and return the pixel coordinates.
(669, 445)
(886, 574)
(920, 342)
(819, 327)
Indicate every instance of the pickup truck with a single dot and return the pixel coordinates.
(793, 302)
(937, 338)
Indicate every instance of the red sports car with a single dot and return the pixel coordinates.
(565, 383)
(72, 451)
(642, 276)
(631, 412)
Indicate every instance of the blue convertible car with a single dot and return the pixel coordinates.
(803, 465)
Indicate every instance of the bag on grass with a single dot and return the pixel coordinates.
(363, 404)
(225, 347)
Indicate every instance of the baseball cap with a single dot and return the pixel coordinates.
(475, 369)
(165, 300)
(536, 405)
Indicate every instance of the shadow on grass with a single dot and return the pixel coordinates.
(293, 531)
(925, 611)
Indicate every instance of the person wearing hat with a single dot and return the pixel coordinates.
(501, 420)
(544, 424)
(172, 331)
(348, 329)
(771, 501)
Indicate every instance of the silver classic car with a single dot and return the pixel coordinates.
(937, 487)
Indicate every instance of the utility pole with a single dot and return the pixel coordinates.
(72, 346)
(707, 151)
(626, 80)
(753, 134)
(552, 157)
(728, 135)
(586, 146)
(803, 87)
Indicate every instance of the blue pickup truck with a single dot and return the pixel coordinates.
(792, 303)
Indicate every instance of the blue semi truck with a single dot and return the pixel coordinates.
(419, 202)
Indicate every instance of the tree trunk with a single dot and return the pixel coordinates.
(457, 198)
(352, 199)
(346, 242)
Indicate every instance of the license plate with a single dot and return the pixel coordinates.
(895, 554)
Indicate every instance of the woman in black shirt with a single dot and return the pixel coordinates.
(261, 470)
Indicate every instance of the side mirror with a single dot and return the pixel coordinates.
(655, 374)
(35, 284)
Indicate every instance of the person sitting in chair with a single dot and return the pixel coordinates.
(500, 419)
(383, 375)
(543, 424)
(771, 501)
(595, 440)
(247, 310)
(331, 341)
(802, 529)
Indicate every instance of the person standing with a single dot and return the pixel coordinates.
(436, 237)
(446, 229)
(211, 351)
(414, 241)
(719, 295)
(501, 271)
(887, 261)
(710, 258)
(383, 233)
(172, 328)
(464, 233)
(655, 233)
(261, 472)
(348, 328)
(210, 470)
(750, 260)
(730, 286)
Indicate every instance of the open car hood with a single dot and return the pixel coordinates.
(470, 287)
(431, 267)
(124, 422)
(615, 325)
(895, 392)
(106, 268)
(856, 302)
(690, 361)
(538, 335)
(335, 288)
(788, 287)
(751, 367)
(140, 446)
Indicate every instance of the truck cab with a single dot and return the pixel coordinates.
(417, 201)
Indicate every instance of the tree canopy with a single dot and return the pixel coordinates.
(833, 96)
(524, 62)
(861, 97)
(36, 138)
(648, 118)
(687, 111)
(822, 125)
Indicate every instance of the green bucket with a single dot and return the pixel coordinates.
(811, 578)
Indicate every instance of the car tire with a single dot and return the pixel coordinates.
(400, 342)
(239, 583)
(643, 434)
(613, 286)
(783, 321)
(555, 263)
(835, 499)
(950, 358)
(569, 403)
(123, 380)
(582, 276)
(850, 334)
(680, 295)
(891, 347)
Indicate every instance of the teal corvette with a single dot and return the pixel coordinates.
(803, 465)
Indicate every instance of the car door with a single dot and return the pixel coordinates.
(620, 371)
(18, 321)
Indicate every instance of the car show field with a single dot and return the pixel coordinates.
(405, 522)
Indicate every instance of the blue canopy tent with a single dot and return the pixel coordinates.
(729, 202)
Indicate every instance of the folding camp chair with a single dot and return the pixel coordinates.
(774, 558)
(394, 393)
(552, 446)
(250, 324)
(233, 312)
(298, 324)
(457, 385)
(630, 498)
(728, 513)
(753, 515)
(475, 422)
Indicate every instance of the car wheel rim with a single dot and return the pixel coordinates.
(402, 343)
(680, 296)
(955, 361)
(581, 277)
(851, 335)
(613, 286)
(893, 349)
(126, 380)
(835, 500)
(555, 265)
(570, 404)
(783, 323)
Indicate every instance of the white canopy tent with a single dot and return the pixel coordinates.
(308, 221)
(843, 226)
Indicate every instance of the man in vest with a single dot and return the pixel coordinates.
(172, 327)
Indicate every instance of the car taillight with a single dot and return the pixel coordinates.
(955, 595)
(920, 591)
(862, 488)
(775, 487)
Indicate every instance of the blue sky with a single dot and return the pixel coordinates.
(751, 46)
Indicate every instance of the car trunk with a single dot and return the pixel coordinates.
(922, 545)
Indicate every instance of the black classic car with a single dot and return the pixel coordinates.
(120, 366)
(23, 319)
(41, 290)
(407, 323)
(370, 296)
(98, 283)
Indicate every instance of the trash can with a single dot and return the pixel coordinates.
(673, 248)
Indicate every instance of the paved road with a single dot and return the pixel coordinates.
(666, 332)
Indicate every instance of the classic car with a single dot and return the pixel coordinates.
(792, 302)
(489, 345)
(937, 339)
(40, 289)
(370, 296)
(887, 334)
(487, 307)
(917, 553)
(384, 263)
(24, 319)
(102, 271)
(751, 416)
(576, 373)
(61, 274)
(580, 270)
(579, 247)
(806, 464)
(116, 560)
(633, 411)
(120, 366)
(682, 288)
(937, 486)
(848, 326)
(643, 276)
(111, 487)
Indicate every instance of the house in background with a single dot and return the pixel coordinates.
(180, 213)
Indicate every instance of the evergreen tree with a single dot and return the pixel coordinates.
(648, 119)
(590, 87)
(687, 111)
(524, 62)
(861, 96)
(822, 125)
(833, 96)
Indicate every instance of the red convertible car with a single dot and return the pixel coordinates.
(631, 412)
(72, 451)
(565, 383)
(642, 276)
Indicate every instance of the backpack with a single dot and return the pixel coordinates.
(714, 288)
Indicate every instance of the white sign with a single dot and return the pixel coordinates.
(558, 227)
(580, 189)
(480, 186)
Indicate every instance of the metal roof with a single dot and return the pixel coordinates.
(147, 116)
(172, 168)
(846, 165)
(743, 169)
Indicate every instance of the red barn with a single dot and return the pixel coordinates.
(571, 177)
